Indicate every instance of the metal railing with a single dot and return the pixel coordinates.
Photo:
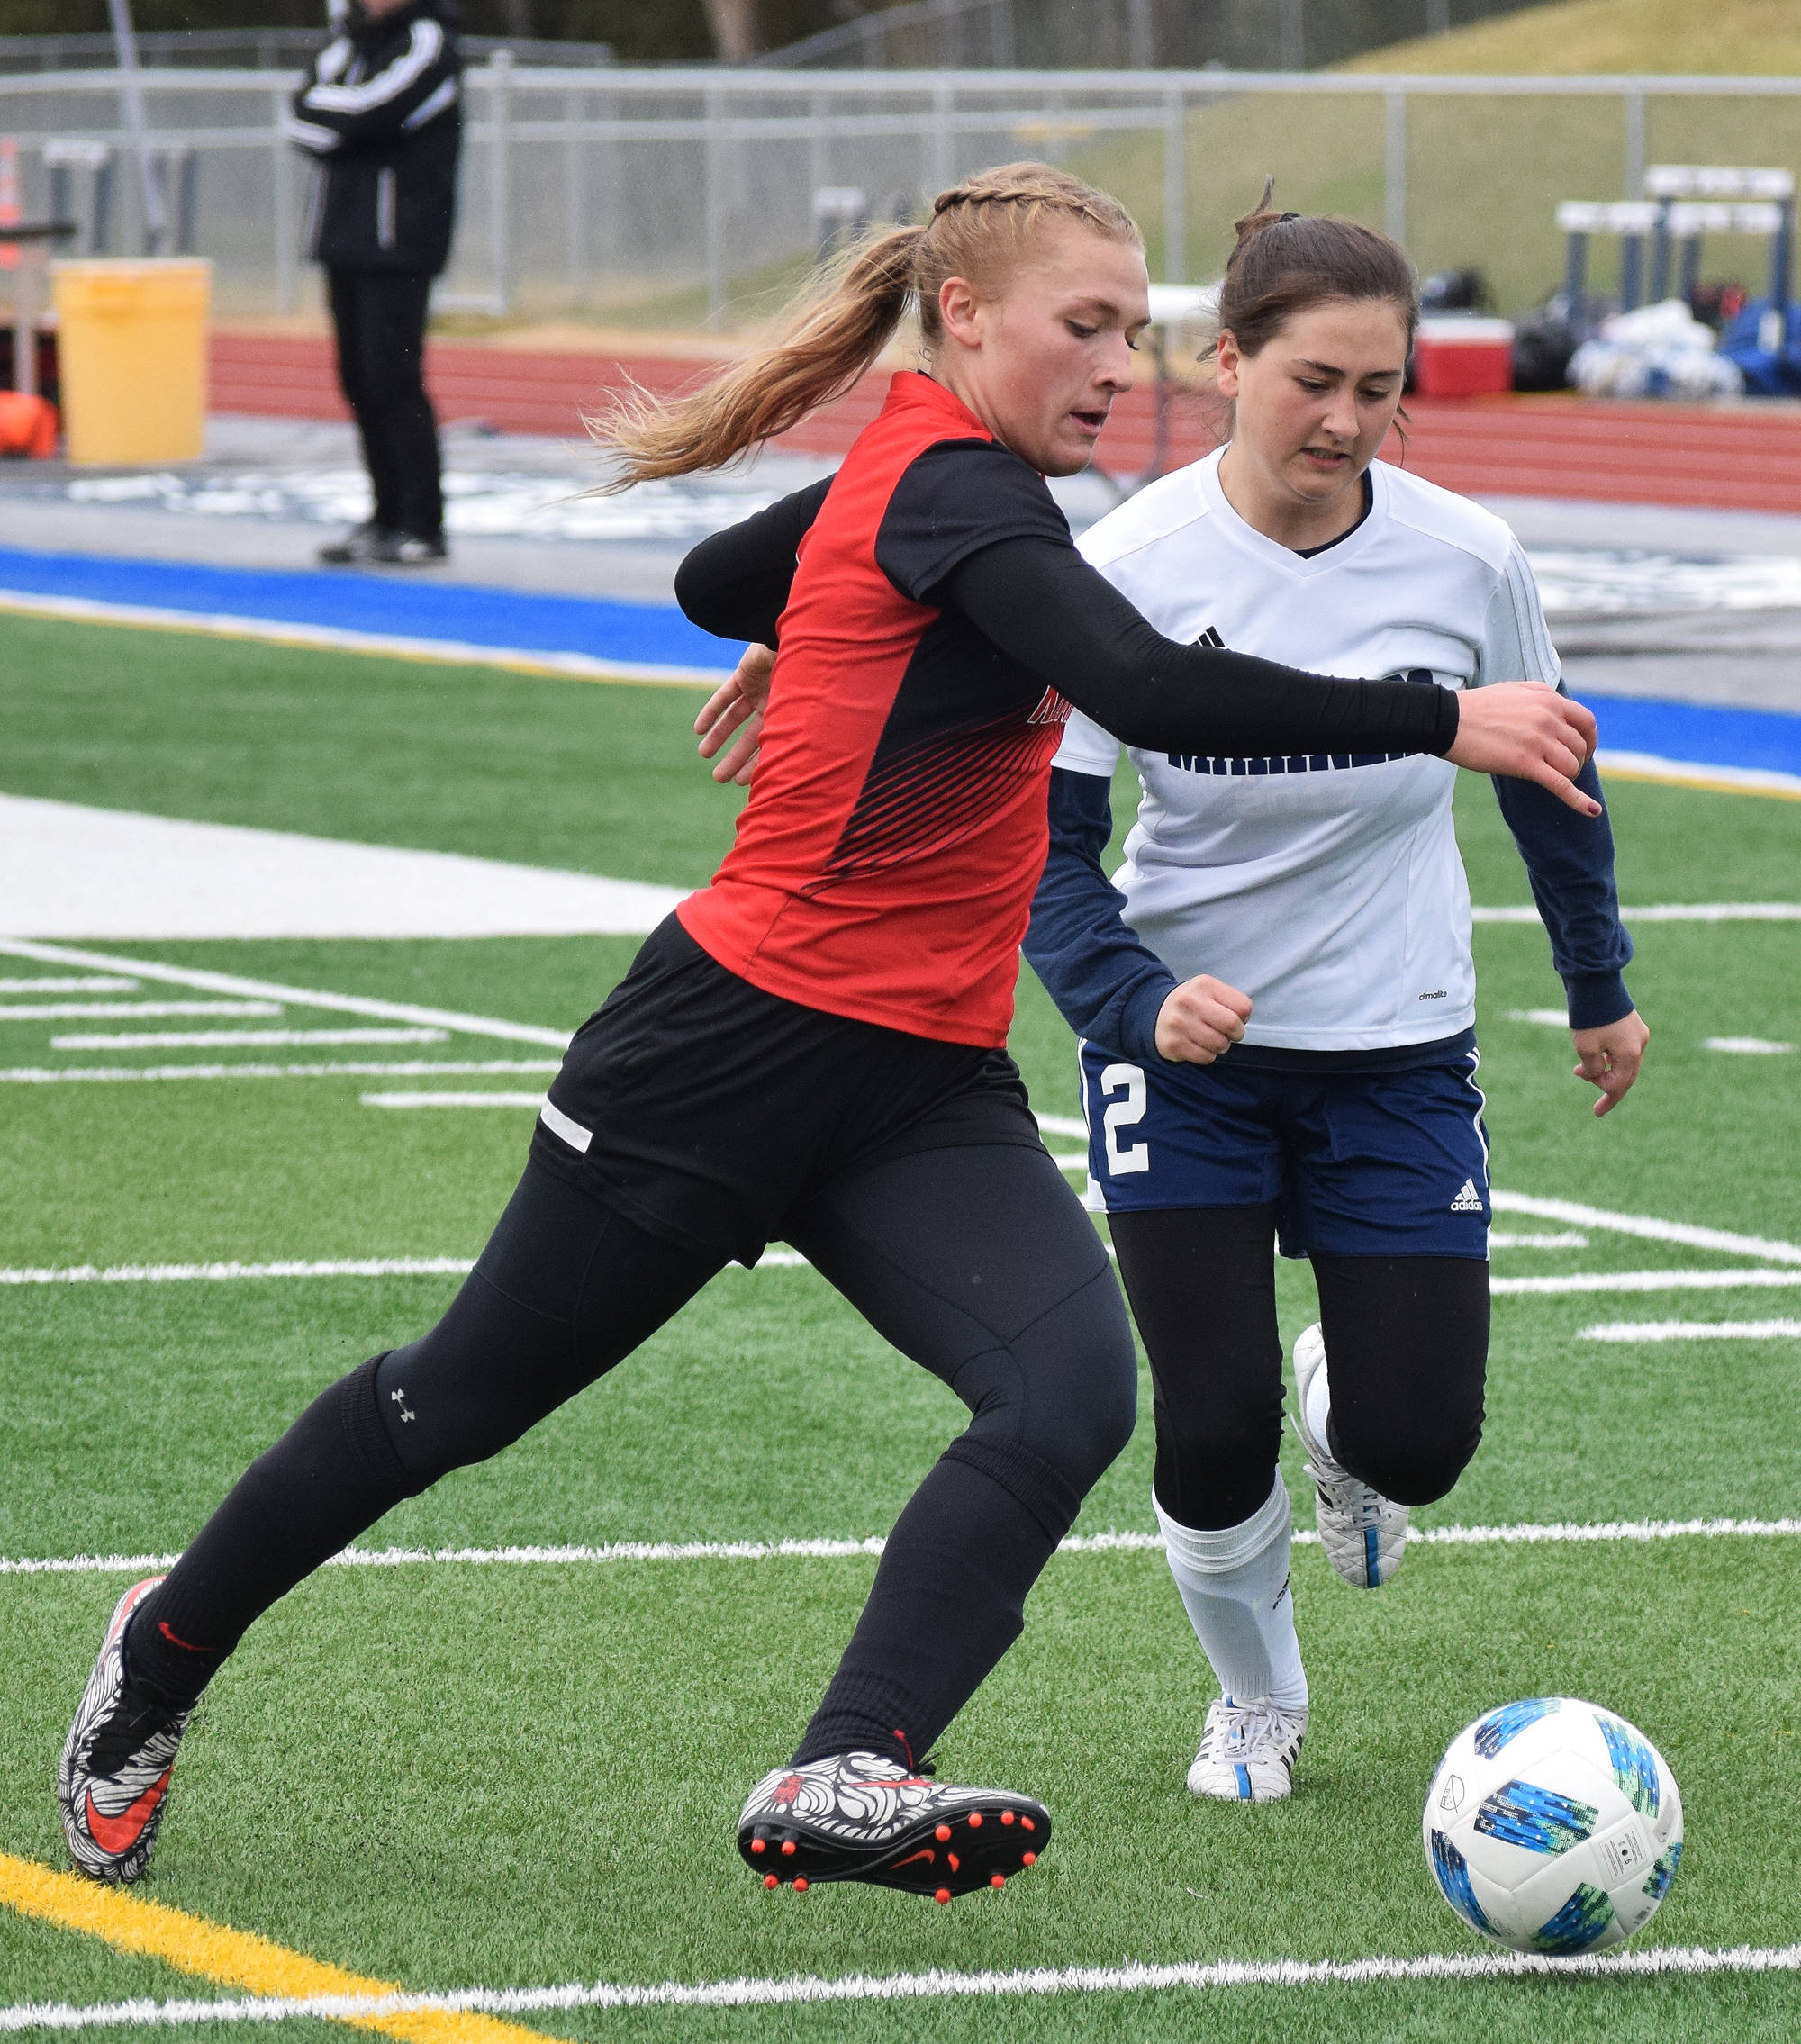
(671, 196)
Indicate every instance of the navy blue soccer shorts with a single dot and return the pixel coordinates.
(1358, 1164)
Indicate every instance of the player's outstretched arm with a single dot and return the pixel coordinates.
(1611, 1058)
(1526, 731)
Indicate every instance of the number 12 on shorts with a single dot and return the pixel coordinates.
(1127, 1080)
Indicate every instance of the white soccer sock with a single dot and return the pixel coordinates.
(1235, 1587)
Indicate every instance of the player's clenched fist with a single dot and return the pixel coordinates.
(1200, 1020)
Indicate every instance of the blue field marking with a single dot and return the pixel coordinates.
(1635, 1764)
(1539, 1819)
(1509, 1722)
(1710, 733)
(382, 605)
(1452, 1871)
(1576, 1926)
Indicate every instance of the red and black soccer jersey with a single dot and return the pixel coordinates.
(885, 864)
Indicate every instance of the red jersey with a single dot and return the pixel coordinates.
(885, 864)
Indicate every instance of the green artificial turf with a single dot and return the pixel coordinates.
(448, 1775)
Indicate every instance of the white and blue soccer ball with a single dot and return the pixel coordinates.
(1553, 1826)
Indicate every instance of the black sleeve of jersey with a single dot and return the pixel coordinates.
(954, 499)
(1040, 602)
(735, 584)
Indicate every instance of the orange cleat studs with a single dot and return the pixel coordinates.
(1027, 1822)
(769, 1881)
(758, 1846)
(998, 1881)
(1007, 1816)
(942, 1834)
(954, 1862)
(800, 1884)
(787, 1848)
(1028, 1859)
(976, 1820)
(943, 1894)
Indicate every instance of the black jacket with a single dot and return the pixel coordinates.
(382, 113)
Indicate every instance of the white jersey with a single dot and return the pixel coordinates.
(1327, 888)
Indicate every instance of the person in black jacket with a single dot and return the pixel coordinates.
(382, 114)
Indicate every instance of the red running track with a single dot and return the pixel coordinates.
(1729, 457)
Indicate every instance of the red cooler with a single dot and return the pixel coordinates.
(1463, 356)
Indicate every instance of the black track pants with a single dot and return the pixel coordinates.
(380, 318)
(1406, 1336)
(976, 1262)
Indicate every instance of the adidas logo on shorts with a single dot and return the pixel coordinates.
(1468, 1200)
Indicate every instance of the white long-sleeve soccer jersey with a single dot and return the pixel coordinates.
(1328, 887)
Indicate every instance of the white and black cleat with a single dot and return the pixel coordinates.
(1247, 1752)
(863, 1817)
(112, 1781)
(1364, 1534)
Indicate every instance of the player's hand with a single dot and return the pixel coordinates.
(736, 707)
(1528, 732)
(1611, 1057)
(1201, 1020)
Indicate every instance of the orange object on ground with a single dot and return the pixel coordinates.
(28, 425)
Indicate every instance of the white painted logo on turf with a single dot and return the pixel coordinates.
(1468, 1200)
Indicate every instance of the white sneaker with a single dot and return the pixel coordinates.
(1363, 1533)
(1247, 1752)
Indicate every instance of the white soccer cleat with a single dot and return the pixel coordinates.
(1363, 1533)
(1247, 1752)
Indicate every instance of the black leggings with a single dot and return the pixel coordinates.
(380, 318)
(976, 1262)
(1408, 1339)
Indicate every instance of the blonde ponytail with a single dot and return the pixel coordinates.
(978, 231)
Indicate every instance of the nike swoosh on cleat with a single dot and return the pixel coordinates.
(120, 1833)
(928, 1855)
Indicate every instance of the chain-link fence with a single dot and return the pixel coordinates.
(679, 197)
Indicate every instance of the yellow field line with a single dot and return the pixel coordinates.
(233, 1958)
(1702, 780)
(248, 632)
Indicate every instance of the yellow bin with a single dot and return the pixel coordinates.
(132, 358)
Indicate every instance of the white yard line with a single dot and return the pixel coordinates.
(1647, 1227)
(1694, 1331)
(88, 984)
(131, 1074)
(297, 997)
(124, 1011)
(1546, 1017)
(1643, 1281)
(241, 1039)
(1034, 1982)
(1499, 1238)
(216, 1273)
(1746, 1046)
(1668, 912)
(1557, 1534)
(533, 1100)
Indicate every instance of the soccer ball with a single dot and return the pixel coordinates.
(1553, 1826)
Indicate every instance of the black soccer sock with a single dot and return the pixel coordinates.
(328, 1477)
(947, 1602)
